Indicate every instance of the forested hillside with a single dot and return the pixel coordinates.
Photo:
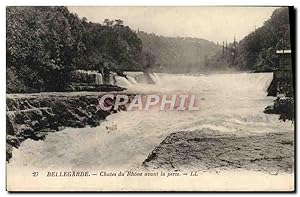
(257, 51)
(179, 55)
(44, 44)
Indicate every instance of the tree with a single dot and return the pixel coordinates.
(43, 46)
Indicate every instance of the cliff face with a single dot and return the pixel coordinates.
(34, 115)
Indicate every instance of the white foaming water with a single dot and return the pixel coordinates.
(123, 82)
(228, 103)
(132, 80)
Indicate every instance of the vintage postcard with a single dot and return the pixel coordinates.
(150, 98)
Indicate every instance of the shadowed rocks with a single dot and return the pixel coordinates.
(33, 116)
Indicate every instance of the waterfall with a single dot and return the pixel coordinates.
(228, 103)
(122, 82)
(98, 79)
(136, 78)
(131, 80)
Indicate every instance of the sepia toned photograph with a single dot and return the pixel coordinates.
(150, 98)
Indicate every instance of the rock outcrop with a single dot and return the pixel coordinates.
(34, 115)
(212, 151)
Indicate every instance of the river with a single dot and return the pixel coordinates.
(228, 103)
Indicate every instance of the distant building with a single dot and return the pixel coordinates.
(283, 74)
(285, 65)
(285, 59)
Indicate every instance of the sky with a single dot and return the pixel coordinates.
(215, 24)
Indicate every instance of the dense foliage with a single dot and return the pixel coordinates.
(44, 44)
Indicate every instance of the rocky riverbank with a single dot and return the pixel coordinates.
(34, 115)
(282, 87)
(212, 151)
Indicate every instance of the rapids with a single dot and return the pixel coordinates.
(228, 103)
